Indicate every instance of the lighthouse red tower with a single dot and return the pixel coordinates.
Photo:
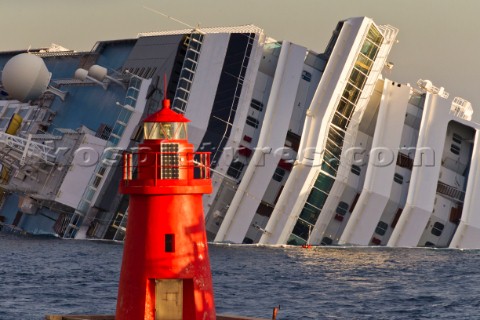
(165, 268)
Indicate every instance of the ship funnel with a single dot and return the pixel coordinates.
(26, 77)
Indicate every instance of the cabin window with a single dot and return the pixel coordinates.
(3, 123)
(455, 149)
(381, 228)
(326, 241)
(247, 241)
(369, 49)
(437, 229)
(96, 182)
(358, 78)
(235, 169)
(101, 171)
(398, 178)
(429, 244)
(252, 122)
(257, 105)
(356, 170)
(23, 112)
(279, 174)
(307, 76)
(457, 139)
(342, 208)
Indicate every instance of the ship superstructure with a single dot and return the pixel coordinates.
(317, 148)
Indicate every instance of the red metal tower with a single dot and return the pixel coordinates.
(165, 268)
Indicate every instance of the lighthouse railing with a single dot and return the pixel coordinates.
(153, 167)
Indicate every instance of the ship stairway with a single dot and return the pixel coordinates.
(193, 43)
(450, 192)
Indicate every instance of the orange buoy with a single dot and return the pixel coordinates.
(165, 268)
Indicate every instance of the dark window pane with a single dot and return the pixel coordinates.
(257, 105)
(369, 49)
(279, 174)
(169, 243)
(381, 228)
(351, 93)
(342, 208)
(307, 76)
(252, 122)
(326, 241)
(235, 169)
(437, 229)
(455, 149)
(302, 229)
(398, 178)
(357, 78)
(356, 170)
(457, 139)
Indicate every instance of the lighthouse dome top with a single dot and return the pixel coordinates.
(165, 124)
(166, 115)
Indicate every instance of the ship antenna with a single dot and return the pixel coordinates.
(168, 17)
(165, 102)
(165, 86)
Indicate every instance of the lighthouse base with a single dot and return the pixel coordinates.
(112, 317)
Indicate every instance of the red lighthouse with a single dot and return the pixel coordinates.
(165, 268)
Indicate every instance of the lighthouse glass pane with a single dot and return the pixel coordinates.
(165, 130)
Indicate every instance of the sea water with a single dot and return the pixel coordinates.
(51, 276)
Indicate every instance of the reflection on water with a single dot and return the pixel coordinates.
(356, 283)
(42, 276)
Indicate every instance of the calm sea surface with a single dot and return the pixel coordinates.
(48, 276)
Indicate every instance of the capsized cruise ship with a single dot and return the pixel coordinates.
(307, 148)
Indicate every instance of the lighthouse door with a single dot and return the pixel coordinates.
(168, 299)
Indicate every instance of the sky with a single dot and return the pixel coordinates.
(438, 40)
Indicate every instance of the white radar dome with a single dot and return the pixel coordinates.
(25, 77)
(97, 72)
(81, 74)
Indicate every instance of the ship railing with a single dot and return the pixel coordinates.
(151, 167)
(27, 148)
(404, 161)
(450, 192)
(461, 108)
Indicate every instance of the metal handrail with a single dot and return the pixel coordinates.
(188, 165)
